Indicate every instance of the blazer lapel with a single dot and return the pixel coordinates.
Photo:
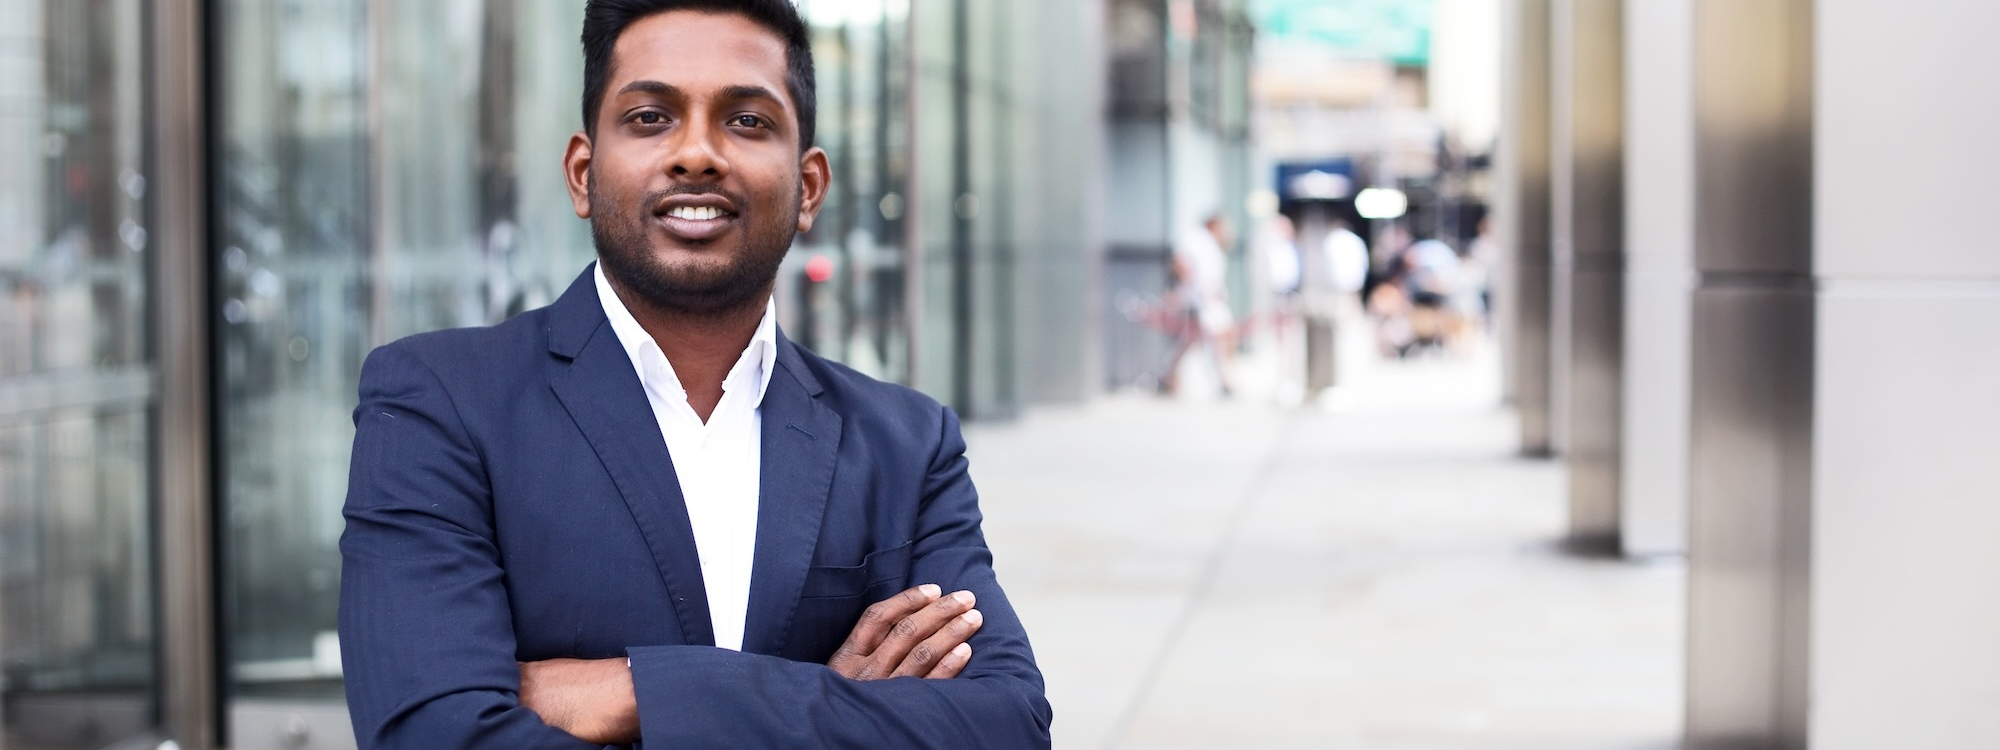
(801, 438)
(604, 397)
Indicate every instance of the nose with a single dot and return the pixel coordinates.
(697, 151)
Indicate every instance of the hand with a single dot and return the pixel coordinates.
(592, 699)
(916, 633)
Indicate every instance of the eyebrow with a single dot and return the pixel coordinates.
(729, 93)
(650, 87)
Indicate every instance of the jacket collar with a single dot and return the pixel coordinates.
(800, 444)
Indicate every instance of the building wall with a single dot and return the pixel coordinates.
(1811, 342)
(1906, 582)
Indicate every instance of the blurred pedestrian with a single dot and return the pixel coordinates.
(1475, 293)
(1278, 247)
(1201, 267)
(1431, 271)
(1337, 300)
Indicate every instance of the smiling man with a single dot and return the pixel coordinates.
(641, 515)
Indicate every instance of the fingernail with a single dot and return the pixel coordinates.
(973, 617)
(963, 597)
(931, 590)
(961, 650)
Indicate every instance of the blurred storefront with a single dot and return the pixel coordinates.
(215, 208)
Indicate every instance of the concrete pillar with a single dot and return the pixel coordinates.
(1659, 275)
(1522, 208)
(1587, 189)
(1905, 601)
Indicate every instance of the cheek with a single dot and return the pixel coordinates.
(621, 168)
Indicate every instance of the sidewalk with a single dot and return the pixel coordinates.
(1234, 575)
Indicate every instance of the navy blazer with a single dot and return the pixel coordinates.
(511, 499)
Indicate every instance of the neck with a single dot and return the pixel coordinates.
(702, 345)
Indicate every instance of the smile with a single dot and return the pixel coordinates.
(695, 213)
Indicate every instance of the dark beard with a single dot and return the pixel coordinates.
(620, 234)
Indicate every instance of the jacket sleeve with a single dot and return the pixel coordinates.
(426, 634)
(694, 696)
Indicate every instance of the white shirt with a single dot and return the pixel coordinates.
(1206, 267)
(1347, 259)
(717, 462)
(1281, 259)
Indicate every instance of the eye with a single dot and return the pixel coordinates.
(649, 118)
(747, 121)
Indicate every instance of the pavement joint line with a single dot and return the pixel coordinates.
(1204, 584)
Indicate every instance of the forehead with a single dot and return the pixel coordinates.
(699, 52)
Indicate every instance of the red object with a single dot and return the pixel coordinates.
(819, 268)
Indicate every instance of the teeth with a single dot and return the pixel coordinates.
(695, 213)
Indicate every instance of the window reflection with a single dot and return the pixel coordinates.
(841, 290)
(76, 625)
(370, 189)
(294, 223)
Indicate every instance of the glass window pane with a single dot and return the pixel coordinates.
(76, 611)
(76, 638)
(294, 231)
(386, 168)
(841, 291)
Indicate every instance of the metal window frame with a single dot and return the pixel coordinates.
(183, 438)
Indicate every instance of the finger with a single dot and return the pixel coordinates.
(881, 616)
(913, 630)
(954, 661)
(875, 623)
(925, 655)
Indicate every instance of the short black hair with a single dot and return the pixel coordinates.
(604, 20)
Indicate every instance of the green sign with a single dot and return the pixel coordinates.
(1395, 30)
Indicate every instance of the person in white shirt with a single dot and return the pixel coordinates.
(1201, 268)
(1346, 257)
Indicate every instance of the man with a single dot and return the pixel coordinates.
(1343, 263)
(641, 514)
(1200, 268)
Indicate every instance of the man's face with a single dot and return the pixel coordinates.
(694, 183)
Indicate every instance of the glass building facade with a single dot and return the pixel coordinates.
(368, 169)
(76, 376)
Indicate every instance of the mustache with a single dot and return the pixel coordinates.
(656, 200)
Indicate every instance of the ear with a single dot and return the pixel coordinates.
(814, 178)
(576, 172)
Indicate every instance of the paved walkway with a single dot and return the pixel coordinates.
(1203, 574)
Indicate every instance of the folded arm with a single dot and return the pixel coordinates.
(703, 697)
(427, 638)
(429, 647)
